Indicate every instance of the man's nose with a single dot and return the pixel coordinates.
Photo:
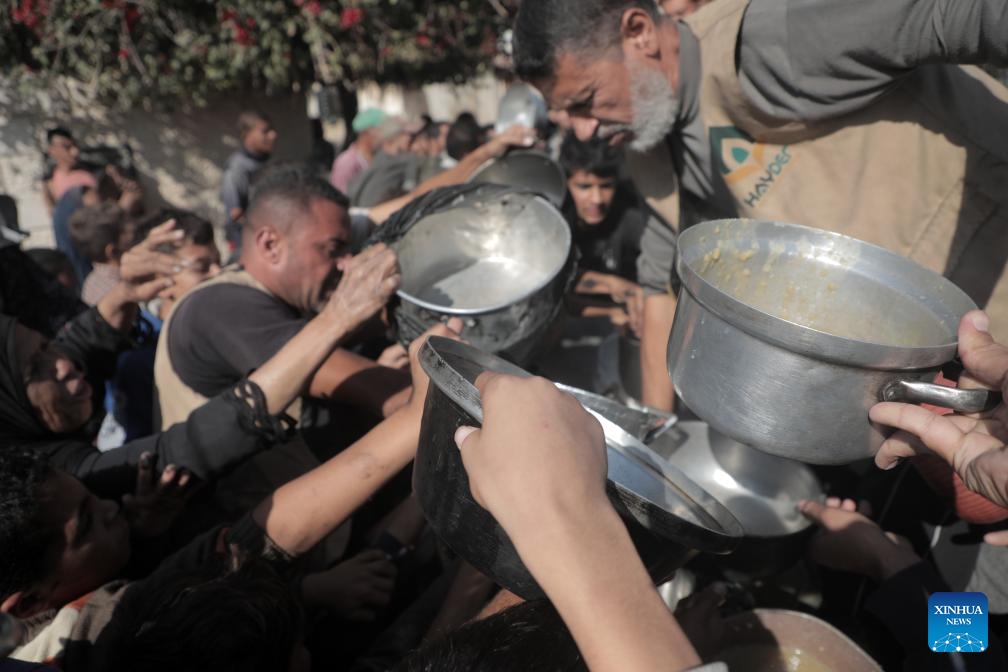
(596, 196)
(584, 127)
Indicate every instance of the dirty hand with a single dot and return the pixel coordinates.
(973, 444)
(368, 281)
(157, 501)
(356, 589)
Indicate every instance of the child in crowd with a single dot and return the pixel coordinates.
(101, 235)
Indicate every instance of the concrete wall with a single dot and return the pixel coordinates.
(180, 154)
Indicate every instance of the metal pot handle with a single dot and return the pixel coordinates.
(959, 400)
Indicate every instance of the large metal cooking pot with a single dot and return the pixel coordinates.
(525, 169)
(785, 336)
(777, 640)
(498, 259)
(761, 490)
(668, 517)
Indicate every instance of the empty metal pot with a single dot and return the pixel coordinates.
(525, 169)
(668, 517)
(498, 259)
(785, 336)
(761, 490)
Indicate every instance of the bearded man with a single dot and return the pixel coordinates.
(849, 116)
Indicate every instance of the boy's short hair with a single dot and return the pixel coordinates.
(58, 132)
(248, 119)
(24, 540)
(208, 620)
(198, 231)
(94, 228)
(595, 156)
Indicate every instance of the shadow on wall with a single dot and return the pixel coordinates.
(179, 155)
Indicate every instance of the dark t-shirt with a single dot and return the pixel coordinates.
(614, 245)
(219, 334)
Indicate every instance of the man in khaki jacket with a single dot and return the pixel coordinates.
(849, 116)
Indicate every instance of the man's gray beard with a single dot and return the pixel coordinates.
(654, 106)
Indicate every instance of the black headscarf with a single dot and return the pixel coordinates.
(18, 420)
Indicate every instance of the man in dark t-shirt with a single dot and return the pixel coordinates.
(295, 251)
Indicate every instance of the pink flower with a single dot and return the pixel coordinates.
(350, 17)
(422, 40)
(243, 37)
(314, 7)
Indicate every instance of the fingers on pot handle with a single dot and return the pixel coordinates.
(959, 400)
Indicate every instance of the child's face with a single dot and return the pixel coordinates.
(90, 544)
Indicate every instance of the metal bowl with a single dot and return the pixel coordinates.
(502, 261)
(761, 490)
(669, 518)
(525, 169)
(771, 640)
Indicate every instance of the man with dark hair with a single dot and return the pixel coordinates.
(465, 135)
(257, 138)
(101, 235)
(295, 250)
(67, 173)
(848, 117)
(607, 225)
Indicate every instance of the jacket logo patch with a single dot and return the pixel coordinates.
(751, 167)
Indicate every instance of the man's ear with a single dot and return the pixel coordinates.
(111, 251)
(269, 244)
(639, 33)
(22, 604)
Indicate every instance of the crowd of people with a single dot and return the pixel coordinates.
(205, 451)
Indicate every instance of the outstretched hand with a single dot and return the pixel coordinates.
(158, 500)
(849, 541)
(974, 444)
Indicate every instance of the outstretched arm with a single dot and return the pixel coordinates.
(539, 466)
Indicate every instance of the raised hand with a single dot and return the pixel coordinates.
(849, 541)
(369, 281)
(145, 269)
(158, 500)
(356, 588)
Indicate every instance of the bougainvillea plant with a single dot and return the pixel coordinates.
(130, 52)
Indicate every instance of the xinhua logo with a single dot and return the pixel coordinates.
(957, 622)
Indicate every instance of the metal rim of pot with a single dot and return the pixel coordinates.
(472, 312)
(803, 340)
(715, 529)
(556, 197)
